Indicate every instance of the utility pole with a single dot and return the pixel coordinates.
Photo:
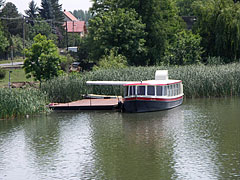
(23, 37)
(67, 35)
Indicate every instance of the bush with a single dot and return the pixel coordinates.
(2, 73)
(113, 60)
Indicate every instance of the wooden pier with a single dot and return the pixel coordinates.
(88, 104)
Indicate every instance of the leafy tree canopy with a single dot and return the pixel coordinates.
(42, 59)
(219, 26)
(160, 17)
(112, 60)
(82, 15)
(185, 49)
(120, 29)
(14, 24)
(4, 42)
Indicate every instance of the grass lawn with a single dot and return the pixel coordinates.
(9, 61)
(17, 75)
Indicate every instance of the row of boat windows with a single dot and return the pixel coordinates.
(168, 90)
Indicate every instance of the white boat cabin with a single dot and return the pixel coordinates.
(161, 87)
(154, 89)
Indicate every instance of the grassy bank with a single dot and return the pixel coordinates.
(17, 75)
(20, 102)
(198, 80)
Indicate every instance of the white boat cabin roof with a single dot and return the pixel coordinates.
(135, 83)
(161, 78)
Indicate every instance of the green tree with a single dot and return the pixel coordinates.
(219, 26)
(82, 15)
(112, 60)
(4, 41)
(40, 27)
(11, 19)
(185, 7)
(185, 49)
(46, 10)
(42, 59)
(160, 17)
(32, 12)
(120, 29)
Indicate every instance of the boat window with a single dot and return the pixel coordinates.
(165, 90)
(141, 90)
(151, 90)
(170, 90)
(126, 91)
(132, 91)
(159, 90)
(174, 90)
(177, 89)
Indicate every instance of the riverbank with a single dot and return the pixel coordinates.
(198, 81)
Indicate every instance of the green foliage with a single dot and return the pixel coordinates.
(198, 80)
(82, 15)
(112, 60)
(42, 59)
(185, 7)
(4, 42)
(2, 73)
(212, 61)
(64, 88)
(46, 10)
(13, 26)
(20, 102)
(74, 39)
(32, 12)
(41, 27)
(161, 20)
(218, 24)
(121, 29)
(184, 50)
(66, 61)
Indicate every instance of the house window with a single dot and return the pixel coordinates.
(151, 90)
(141, 90)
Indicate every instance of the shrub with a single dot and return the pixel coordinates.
(113, 60)
(2, 73)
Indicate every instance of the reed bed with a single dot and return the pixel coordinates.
(198, 80)
(21, 102)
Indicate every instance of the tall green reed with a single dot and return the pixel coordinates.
(20, 102)
(198, 80)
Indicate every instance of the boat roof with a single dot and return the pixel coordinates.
(135, 83)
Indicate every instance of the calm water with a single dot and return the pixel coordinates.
(198, 140)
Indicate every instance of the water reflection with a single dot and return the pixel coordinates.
(198, 140)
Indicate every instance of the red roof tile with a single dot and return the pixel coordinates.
(70, 16)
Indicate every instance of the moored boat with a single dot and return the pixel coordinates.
(151, 95)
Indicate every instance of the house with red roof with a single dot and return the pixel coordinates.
(73, 25)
